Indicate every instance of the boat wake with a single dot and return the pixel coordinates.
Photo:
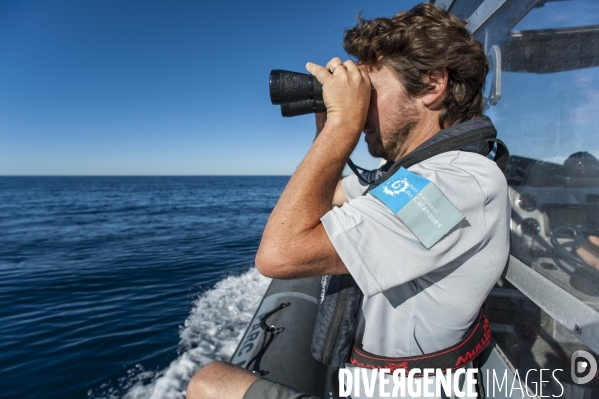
(212, 331)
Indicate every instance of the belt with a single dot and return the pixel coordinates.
(454, 357)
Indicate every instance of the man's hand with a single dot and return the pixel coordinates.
(346, 93)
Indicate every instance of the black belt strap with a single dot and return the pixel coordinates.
(454, 357)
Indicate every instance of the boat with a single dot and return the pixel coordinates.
(542, 93)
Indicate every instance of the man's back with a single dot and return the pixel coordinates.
(420, 300)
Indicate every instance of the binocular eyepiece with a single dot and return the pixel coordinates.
(296, 93)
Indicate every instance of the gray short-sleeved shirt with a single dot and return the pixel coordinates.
(419, 300)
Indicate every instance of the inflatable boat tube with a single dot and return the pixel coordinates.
(277, 341)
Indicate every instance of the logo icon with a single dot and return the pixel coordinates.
(397, 187)
(583, 367)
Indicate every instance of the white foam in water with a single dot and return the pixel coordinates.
(211, 332)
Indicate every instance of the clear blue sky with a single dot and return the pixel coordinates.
(160, 87)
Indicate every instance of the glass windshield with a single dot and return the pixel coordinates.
(543, 96)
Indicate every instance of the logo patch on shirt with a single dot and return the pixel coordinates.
(420, 205)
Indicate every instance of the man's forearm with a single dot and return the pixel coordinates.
(295, 243)
(294, 239)
(339, 198)
(309, 193)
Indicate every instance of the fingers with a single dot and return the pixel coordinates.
(323, 75)
(348, 65)
(346, 91)
(333, 64)
(351, 66)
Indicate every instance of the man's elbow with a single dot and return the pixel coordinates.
(269, 262)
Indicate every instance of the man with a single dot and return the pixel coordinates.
(419, 73)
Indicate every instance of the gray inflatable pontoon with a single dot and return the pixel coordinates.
(277, 341)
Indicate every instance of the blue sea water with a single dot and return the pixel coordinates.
(122, 287)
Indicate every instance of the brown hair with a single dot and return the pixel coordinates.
(420, 40)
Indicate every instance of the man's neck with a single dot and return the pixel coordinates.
(426, 129)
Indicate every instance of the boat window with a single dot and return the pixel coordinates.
(542, 94)
(559, 15)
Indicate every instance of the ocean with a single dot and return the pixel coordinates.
(122, 287)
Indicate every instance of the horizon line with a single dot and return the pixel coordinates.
(214, 175)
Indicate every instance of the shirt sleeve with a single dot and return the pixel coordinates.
(381, 253)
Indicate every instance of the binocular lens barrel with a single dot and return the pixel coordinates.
(297, 93)
(302, 108)
(287, 87)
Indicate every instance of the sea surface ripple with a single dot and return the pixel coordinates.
(121, 287)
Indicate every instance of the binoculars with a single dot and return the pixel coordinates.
(296, 93)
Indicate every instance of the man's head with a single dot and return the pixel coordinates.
(425, 50)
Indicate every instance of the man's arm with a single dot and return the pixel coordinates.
(294, 243)
(339, 198)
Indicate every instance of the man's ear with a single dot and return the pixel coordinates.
(437, 81)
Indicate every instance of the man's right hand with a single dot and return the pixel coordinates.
(346, 93)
